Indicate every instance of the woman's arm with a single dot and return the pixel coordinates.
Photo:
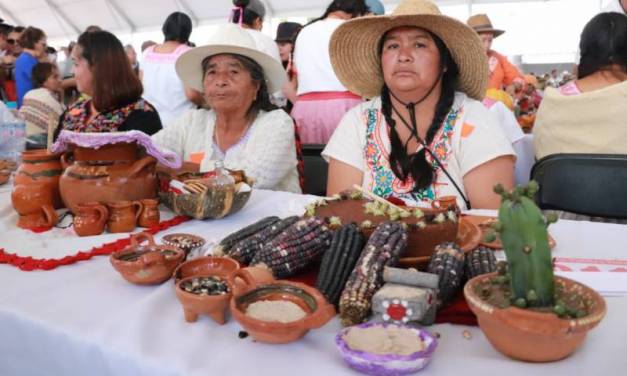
(342, 176)
(480, 181)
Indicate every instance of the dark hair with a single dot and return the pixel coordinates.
(262, 102)
(92, 28)
(115, 85)
(30, 37)
(18, 29)
(249, 15)
(603, 43)
(356, 8)
(177, 27)
(416, 165)
(41, 72)
(5, 29)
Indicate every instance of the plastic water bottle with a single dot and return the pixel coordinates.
(12, 140)
(221, 180)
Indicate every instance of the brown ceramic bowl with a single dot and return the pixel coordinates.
(4, 177)
(214, 306)
(205, 266)
(318, 311)
(186, 242)
(146, 264)
(468, 238)
(534, 336)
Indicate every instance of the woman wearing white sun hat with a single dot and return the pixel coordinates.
(243, 129)
(425, 133)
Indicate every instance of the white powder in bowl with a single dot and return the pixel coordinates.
(383, 341)
(275, 310)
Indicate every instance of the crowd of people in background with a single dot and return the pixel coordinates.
(178, 88)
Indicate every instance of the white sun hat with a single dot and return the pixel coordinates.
(228, 39)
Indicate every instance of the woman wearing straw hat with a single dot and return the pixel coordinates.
(502, 72)
(243, 128)
(424, 134)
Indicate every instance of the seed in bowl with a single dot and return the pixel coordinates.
(205, 286)
(282, 311)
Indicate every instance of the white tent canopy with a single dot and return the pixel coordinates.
(548, 29)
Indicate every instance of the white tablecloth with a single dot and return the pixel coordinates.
(84, 319)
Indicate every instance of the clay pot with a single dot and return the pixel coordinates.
(319, 312)
(90, 219)
(149, 215)
(186, 242)
(205, 266)
(146, 264)
(214, 306)
(123, 215)
(534, 336)
(108, 178)
(43, 168)
(113, 153)
(34, 204)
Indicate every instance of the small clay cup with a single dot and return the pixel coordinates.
(123, 215)
(146, 264)
(34, 204)
(90, 219)
(205, 266)
(214, 306)
(319, 312)
(149, 215)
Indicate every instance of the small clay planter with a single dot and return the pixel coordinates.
(318, 311)
(208, 265)
(534, 336)
(146, 265)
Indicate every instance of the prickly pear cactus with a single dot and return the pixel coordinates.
(523, 232)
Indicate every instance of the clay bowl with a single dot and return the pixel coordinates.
(389, 364)
(205, 266)
(214, 306)
(146, 264)
(468, 238)
(485, 224)
(534, 336)
(318, 311)
(186, 242)
(4, 177)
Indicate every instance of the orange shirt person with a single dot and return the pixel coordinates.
(502, 72)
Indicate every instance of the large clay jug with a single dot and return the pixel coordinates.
(107, 179)
(41, 168)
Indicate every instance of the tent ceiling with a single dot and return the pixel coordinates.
(66, 18)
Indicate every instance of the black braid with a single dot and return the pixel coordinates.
(416, 165)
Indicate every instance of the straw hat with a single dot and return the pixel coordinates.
(357, 63)
(481, 24)
(228, 39)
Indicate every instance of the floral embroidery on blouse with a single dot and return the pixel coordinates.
(384, 183)
(77, 115)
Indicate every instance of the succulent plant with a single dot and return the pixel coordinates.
(523, 232)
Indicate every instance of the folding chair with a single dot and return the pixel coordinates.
(587, 184)
(316, 170)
